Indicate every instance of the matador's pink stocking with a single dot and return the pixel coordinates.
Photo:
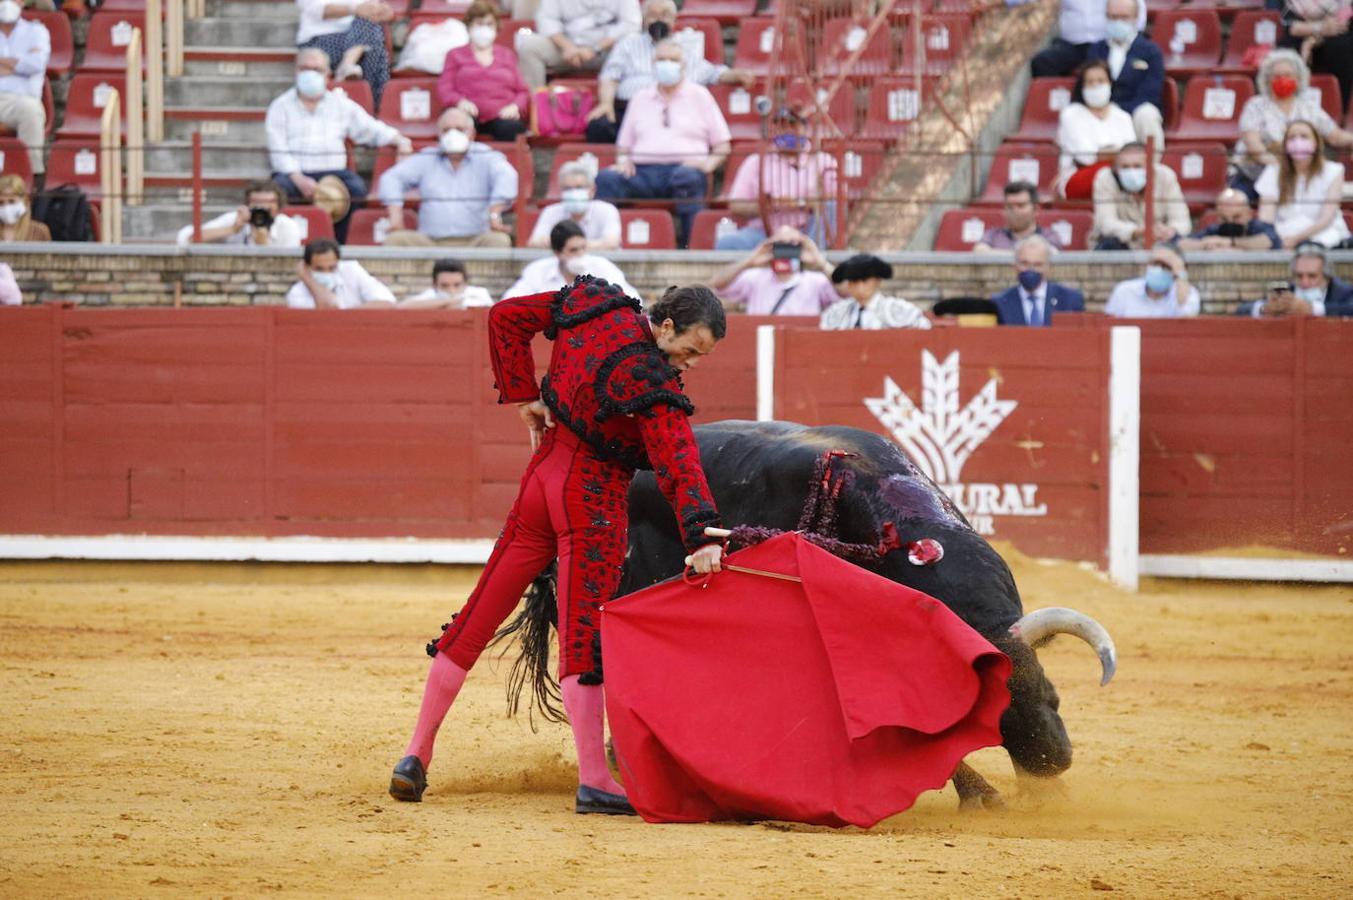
(443, 684)
(584, 705)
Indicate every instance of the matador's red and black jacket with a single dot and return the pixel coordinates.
(609, 384)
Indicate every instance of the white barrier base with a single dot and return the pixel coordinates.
(1247, 568)
(230, 549)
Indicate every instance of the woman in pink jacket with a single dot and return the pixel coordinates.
(483, 79)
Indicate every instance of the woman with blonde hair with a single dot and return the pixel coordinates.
(1299, 195)
(16, 218)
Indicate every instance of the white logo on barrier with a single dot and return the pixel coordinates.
(940, 438)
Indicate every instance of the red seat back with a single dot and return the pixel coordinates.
(709, 226)
(313, 221)
(1043, 107)
(1189, 38)
(647, 229)
(709, 30)
(960, 229)
(738, 105)
(411, 105)
(14, 160)
(944, 37)
(758, 42)
(727, 12)
(1034, 163)
(894, 103)
(1212, 105)
(358, 92)
(86, 99)
(841, 110)
(443, 8)
(1327, 86)
(600, 155)
(1201, 169)
(842, 37)
(1251, 27)
(106, 42)
(1072, 226)
(369, 227)
(63, 42)
(857, 164)
(75, 161)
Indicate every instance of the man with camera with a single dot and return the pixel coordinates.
(786, 275)
(259, 222)
(1312, 291)
(1236, 228)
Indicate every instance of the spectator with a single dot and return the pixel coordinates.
(1300, 194)
(570, 259)
(1035, 299)
(629, 67)
(1120, 204)
(1236, 228)
(16, 216)
(860, 279)
(799, 184)
(259, 222)
(1313, 290)
(599, 220)
(10, 295)
(352, 37)
(306, 128)
(1090, 129)
(451, 289)
(1284, 97)
(1318, 29)
(785, 276)
(465, 187)
(482, 80)
(328, 283)
(672, 139)
(1081, 24)
(1021, 208)
(1164, 293)
(574, 34)
(25, 47)
(1137, 67)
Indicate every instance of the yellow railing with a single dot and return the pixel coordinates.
(136, 143)
(173, 35)
(110, 169)
(155, 66)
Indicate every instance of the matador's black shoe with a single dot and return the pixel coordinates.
(592, 800)
(409, 780)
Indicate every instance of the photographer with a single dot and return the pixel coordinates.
(259, 222)
(1312, 291)
(786, 275)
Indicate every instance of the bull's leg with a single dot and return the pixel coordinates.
(973, 790)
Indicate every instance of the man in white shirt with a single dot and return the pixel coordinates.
(24, 50)
(867, 307)
(570, 260)
(352, 36)
(328, 283)
(306, 128)
(599, 220)
(574, 34)
(258, 223)
(451, 289)
(1164, 292)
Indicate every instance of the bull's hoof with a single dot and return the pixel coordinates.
(983, 802)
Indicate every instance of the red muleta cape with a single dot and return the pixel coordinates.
(832, 702)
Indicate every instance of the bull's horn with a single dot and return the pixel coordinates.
(1042, 625)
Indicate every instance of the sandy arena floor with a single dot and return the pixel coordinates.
(181, 730)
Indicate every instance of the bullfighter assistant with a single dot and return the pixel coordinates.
(611, 403)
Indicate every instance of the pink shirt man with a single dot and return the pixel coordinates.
(790, 180)
(661, 131)
(761, 292)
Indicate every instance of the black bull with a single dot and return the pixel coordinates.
(760, 474)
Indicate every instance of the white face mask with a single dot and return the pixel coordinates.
(454, 141)
(9, 12)
(310, 84)
(329, 280)
(575, 200)
(11, 213)
(1097, 96)
(667, 72)
(576, 265)
(482, 35)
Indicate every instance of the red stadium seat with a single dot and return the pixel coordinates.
(599, 155)
(841, 111)
(1201, 169)
(1035, 163)
(106, 42)
(369, 227)
(738, 105)
(758, 43)
(945, 38)
(727, 12)
(358, 92)
(1211, 110)
(709, 226)
(1251, 28)
(411, 105)
(48, 104)
(75, 161)
(1042, 109)
(960, 229)
(443, 8)
(526, 223)
(1072, 226)
(842, 37)
(1189, 38)
(857, 164)
(1169, 102)
(85, 101)
(63, 42)
(14, 160)
(647, 229)
(508, 30)
(314, 222)
(894, 103)
(1327, 86)
(709, 31)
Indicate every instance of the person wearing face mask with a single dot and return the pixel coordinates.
(574, 34)
(570, 259)
(1299, 195)
(786, 275)
(352, 37)
(1120, 204)
(1090, 130)
(465, 188)
(451, 289)
(629, 68)
(327, 282)
(1319, 29)
(16, 220)
(482, 78)
(860, 280)
(1034, 300)
(25, 47)
(1312, 291)
(1236, 228)
(599, 220)
(307, 127)
(1137, 68)
(1163, 292)
(799, 186)
(673, 138)
(1081, 24)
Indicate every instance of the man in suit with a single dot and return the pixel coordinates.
(1138, 69)
(1034, 300)
(1313, 290)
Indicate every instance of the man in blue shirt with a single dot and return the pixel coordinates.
(464, 188)
(1236, 228)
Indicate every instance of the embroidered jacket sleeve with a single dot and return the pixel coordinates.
(512, 325)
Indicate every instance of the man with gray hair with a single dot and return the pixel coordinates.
(1137, 68)
(1034, 299)
(573, 34)
(1312, 291)
(599, 220)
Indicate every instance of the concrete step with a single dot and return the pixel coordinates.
(161, 220)
(252, 9)
(251, 91)
(239, 62)
(240, 32)
(218, 157)
(241, 127)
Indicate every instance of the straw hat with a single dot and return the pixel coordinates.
(331, 195)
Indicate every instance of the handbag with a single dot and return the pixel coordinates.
(557, 111)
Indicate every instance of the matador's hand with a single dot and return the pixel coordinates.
(706, 559)
(537, 417)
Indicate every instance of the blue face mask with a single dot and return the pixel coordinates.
(1310, 294)
(1159, 279)
(790, 142)
(1120, 32)
(1030, 279)
(1132, 180)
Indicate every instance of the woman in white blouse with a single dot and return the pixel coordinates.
(1299, 195)
(1090, 130)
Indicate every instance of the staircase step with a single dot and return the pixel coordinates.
(241, 32)
(252, 91)
(252, 9)
(238, 62)
(219, 157)
(161, 221)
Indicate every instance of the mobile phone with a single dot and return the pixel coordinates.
(1279, 287)
(785, 250)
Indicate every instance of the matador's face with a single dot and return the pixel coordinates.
(684, 349)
